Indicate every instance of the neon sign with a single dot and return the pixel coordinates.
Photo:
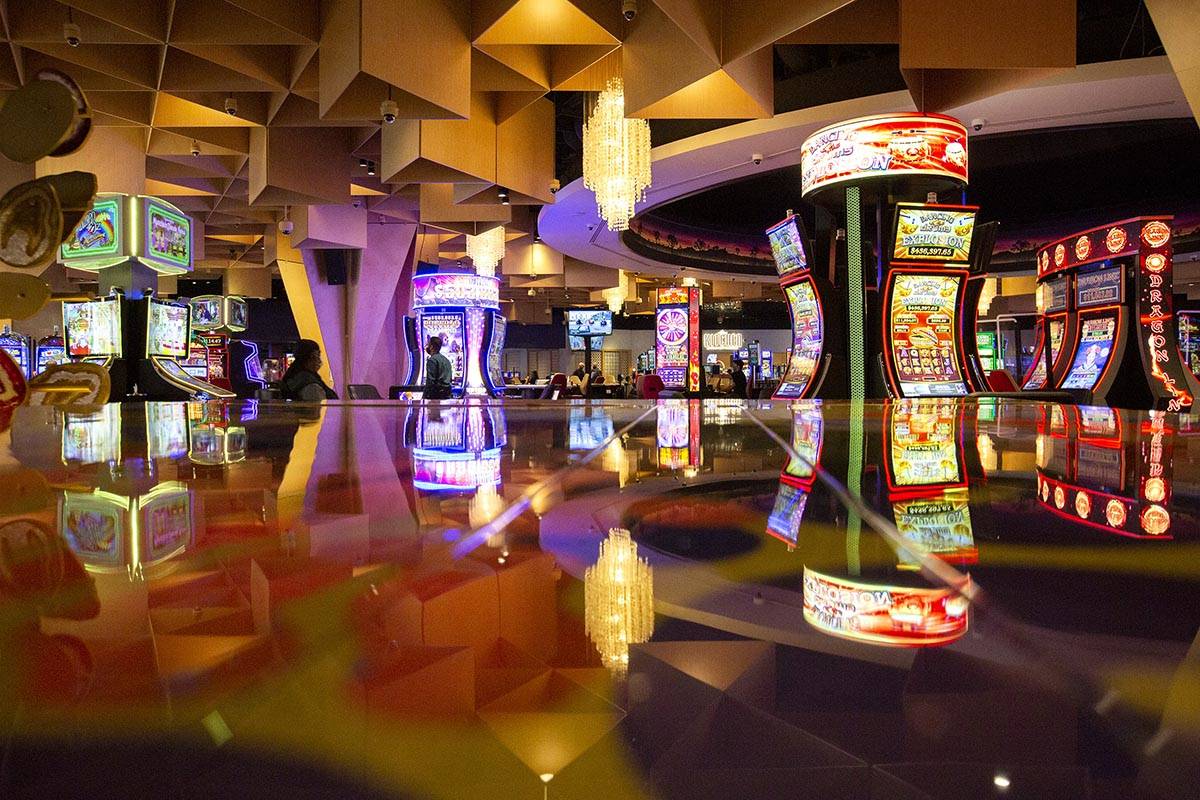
(456, 289)
(888, 145)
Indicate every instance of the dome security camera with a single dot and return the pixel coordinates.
(389, 110)
(231, 106)
(977, 124)
(756, 159)
(629, 9)
(555, 185)
(195, 150)
(286, 226)
(71, 34)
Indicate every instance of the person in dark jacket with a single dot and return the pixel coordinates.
(302, 381)
(739, 380)
(439, 373)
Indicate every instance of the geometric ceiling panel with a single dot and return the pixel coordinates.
(172, 111)
(151, 19)
(442, 151)
(547, 22)
(296, 166)
(136, 64)
(1175, 22)
(747, 27)
(860, 22)
(246, 21)
(371, 52)
(269, 65)
(43, 22)
(188, 72)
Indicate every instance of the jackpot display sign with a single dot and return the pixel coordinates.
(923, 328)
(167, 329)
(456, 289)
(807, 339)
(939, 526)
(898, 616)
(168, 237)
(787, 246)
(884, 146)
(1096, 335)
(93, 328)
(933, 233)
(1102, 288)
(451, 328)
(98, 235)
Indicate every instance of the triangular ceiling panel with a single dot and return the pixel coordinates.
(545, 22)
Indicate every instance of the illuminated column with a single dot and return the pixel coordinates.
(854, 280)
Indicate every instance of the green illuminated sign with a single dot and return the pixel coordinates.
(99, 235)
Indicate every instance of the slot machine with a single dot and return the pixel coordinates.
(50, 350)
(677, 338)
(1052, 331)
(161, 332)
(94, 332)
(924, 301)
(16, 346)
(1121, 347)
(463, 310)
(790, 249)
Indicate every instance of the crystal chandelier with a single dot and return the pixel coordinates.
(616, 157)
(618, 600)
(486, 250)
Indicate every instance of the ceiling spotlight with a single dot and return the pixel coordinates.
(532, 292)
(370, 167)
(503, 195)
(537, 238)
(362, 162)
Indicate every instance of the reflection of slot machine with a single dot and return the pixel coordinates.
(1121, 340)
(112, 533)
(1091, 472)
(927, 480)
(796, 478)
(456, 448)
(166, 430)
(678, 434)
(790, 249)
(925, 350)
(93, 437)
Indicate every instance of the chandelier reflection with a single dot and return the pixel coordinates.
(616, 157)
(486, 250)
(618, 598)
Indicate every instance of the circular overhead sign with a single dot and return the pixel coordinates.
(885, 146)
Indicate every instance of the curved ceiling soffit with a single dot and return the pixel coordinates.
(1092, 94)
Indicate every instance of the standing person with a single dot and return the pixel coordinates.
(739, 379)
(439, 374)
(302, 381)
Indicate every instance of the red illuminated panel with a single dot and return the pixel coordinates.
(1113, 240)
(884, 146)
(894, 616)
(693, 339)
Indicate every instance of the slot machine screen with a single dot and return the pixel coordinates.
(93, 525)
(923, 445)
(166, 522)
(588, 428)
(787, 246)
(1096, 336)
(237, 314)
(784, 520)
(495, 351)
(671, 331)
(48, 354)
(807, 339)
(1037, 378)
(208, 312)
(451, 328)
(167, 329)
(93, 328)
(923, 327)
(16, 346)
(166, 430)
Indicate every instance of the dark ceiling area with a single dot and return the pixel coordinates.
(813, 75)
(1026, 180)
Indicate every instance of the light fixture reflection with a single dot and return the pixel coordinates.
(618, 598)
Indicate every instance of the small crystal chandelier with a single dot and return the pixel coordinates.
(616, 157)
(486, 250)
(618, 600)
